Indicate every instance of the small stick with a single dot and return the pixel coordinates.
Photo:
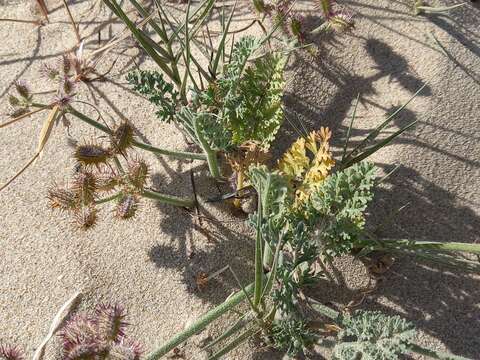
(72, 21)
(55, 325)
(21, 117)
(43, 9)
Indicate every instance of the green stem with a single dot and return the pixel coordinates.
(201, 323)
(428, 245)
(107, 199)
(168, 199)
(258, 256)
(435, 354)
(139, 144)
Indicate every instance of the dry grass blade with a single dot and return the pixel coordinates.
(72, 21)
(23, 116)
(57, 321)
(30, 162)
(47, 129)
(44, 136)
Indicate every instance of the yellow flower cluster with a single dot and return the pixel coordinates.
(307, 172)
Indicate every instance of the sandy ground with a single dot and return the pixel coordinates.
(149, 264)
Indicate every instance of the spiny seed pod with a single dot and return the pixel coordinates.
(22, 89)
(127, 206)
(86, 217)
(122, 137)
(109, 321)
(84, 185)
(10, 353)
(62, 199)
(86, 350)
(125, 349)
(107, 180)
(62, 100)
(91, 154)
(80, 329)
(138, 173)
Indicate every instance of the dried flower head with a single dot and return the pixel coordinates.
(91, 154)
(23, 89)
(63, 100)
(109, 322)
(67, 86)
(86, 217)
(125, 349)
(137, 173)
(122, 137)
(84, 185)
(10, 353)
(127, 206)
(62, 199)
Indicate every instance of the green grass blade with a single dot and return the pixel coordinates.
(221, 45)
(235, 343)
(373, 134)
(376, 147)
(349, 131)
(236, 327)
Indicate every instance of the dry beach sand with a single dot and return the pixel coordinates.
(149, 264)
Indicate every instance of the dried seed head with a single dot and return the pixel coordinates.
(22, 89)
(125, 349)
(127, 206)
(137, 173)
(86, 217)
(84, 185)
(122, 137)
(109, 322)
(91, 154)
(62, 199)
(10, 353)
(49, 71)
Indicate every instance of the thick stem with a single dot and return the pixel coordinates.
(211, 154)
(427, 245)
(201, 323)
(168, 199)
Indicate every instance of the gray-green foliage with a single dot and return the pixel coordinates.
(371, 335)
(158, 91)
(341, 202)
